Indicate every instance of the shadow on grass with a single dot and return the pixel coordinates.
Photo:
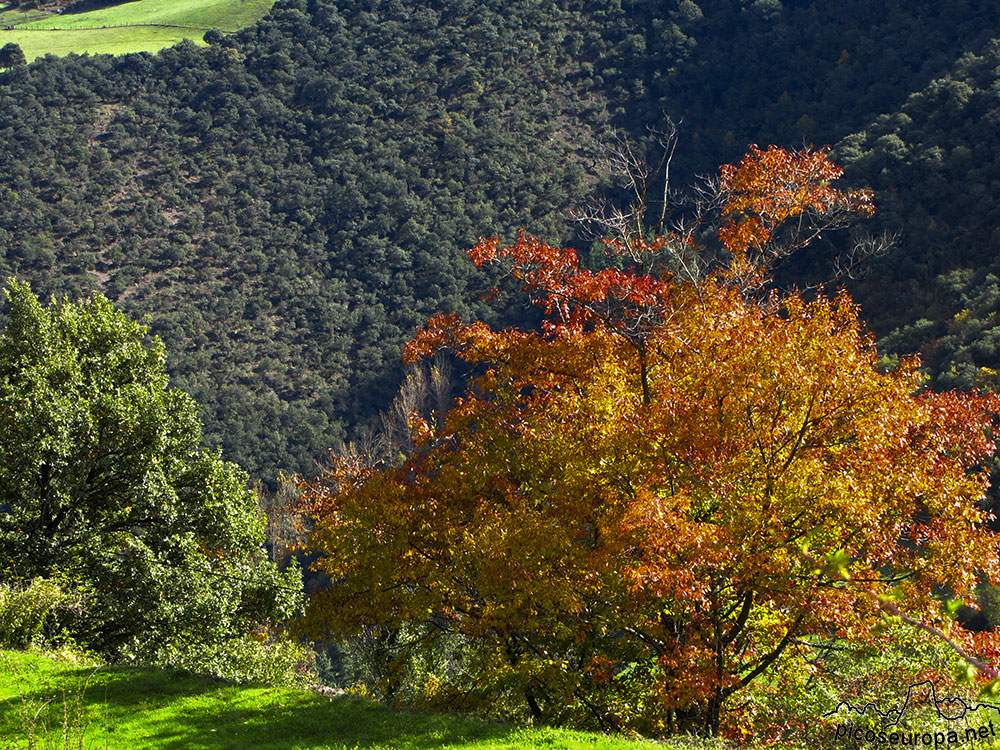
(133, 707)
(85, 6)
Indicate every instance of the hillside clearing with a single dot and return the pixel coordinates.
(137, 26)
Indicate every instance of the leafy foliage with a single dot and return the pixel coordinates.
(102, 483)
(822, 674)
(11, 56)
(634, 512)
(777, 188)
(24, 608)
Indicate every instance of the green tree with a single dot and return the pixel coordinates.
(102, 482)
(11, 56)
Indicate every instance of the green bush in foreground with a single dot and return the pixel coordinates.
(103, 484)
(24, 608)
(254, 658)
(803, 703)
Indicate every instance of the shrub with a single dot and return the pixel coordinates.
(25, 607)
(801, 705)
(263, 658)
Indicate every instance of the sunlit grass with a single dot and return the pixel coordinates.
(113, 30)
(129, 708)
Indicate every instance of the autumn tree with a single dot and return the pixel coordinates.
(644, 507)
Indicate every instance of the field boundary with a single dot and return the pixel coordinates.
(112, 26)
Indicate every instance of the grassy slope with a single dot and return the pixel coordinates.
(149, 708)
(39, 34)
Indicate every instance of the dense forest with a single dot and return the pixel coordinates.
(288, 203)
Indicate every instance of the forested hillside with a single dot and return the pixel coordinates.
(290, 202)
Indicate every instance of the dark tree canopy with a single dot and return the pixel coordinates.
(11, 56)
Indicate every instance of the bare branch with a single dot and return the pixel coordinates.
(855, 263)
(986, 669)
(627, 166)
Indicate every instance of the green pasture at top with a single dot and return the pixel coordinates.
(136, 26)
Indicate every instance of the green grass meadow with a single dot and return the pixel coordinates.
(73, 705)
(116, 30)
